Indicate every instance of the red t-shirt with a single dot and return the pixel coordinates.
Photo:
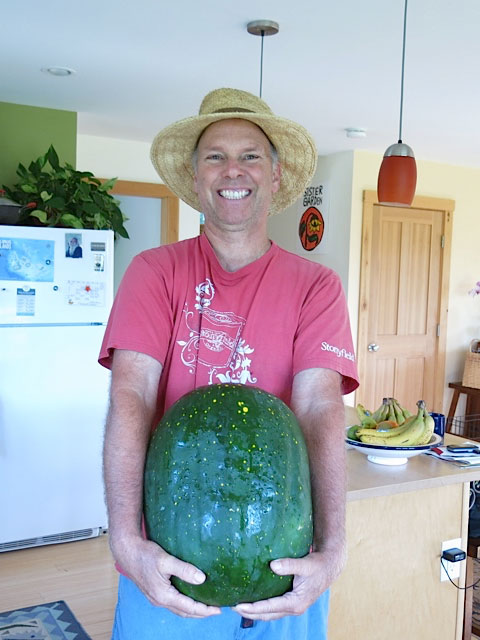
(259, 325)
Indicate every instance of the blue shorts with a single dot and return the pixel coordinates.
(137, 619)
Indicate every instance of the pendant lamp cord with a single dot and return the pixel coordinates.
(403, 71)
(261, 64)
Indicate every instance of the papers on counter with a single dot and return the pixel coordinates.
(459, 459)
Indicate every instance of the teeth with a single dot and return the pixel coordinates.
(230, 194)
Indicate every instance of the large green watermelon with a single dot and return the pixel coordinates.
(227, 488)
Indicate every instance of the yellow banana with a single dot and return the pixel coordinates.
(366, 420)
(352, 432)
(391, 411)
(429, 427)
(381, 413)
(405, 436)
(373, 438)
(399, 415)
(361, 411)
(387, 433)
(412, 435)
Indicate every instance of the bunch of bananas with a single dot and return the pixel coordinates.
(392, 425)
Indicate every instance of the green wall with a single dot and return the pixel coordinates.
(27, 132)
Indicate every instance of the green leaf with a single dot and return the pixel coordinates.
(28, 188)
(100, 221)
(122, 231)
(90, 207)
(45, 196)
(21, 170)
(41, 215)
(83, 188)
(52, 157)
(80, 174)
(35, 168)
(41, 161)
(71, 221)
(57, 202)
(109, 184)
(98, 199)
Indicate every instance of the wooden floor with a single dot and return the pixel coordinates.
(81, 573)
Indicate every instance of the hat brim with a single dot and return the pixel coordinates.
(172, 150)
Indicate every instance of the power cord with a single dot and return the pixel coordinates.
(455, 555)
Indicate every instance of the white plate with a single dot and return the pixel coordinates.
(381, 454)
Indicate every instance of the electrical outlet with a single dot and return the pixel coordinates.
(453, 568)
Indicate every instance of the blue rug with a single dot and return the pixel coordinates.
(476, 597)
(50, 621)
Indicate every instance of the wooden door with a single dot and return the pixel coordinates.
(403, 302)
(169, 207)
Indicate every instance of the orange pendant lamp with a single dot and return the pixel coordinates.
(397, 178)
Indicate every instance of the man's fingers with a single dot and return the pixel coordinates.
(181, 604)
(270, 609)
(291, 566)
(188, 608)
(189, 573)
(169, 565)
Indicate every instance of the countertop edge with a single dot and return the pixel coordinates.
(369, 480)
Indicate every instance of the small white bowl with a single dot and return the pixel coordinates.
(381, 454)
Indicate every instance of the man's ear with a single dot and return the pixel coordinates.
(276, 177)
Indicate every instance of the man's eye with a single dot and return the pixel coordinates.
(251, 156)
(214, 156)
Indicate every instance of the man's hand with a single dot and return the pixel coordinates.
(151, 567)
(133, 397)
(313, 574)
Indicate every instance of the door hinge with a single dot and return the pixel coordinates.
(438, 330)
(442, 242)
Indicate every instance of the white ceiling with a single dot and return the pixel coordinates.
(145, 63)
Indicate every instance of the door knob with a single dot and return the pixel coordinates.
(373, 347)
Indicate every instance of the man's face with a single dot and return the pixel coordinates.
(235, 179)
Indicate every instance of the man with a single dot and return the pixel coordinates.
(74, 250)
(232, 306)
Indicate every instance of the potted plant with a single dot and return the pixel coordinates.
(61, 196)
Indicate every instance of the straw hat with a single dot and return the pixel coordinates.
(172, 148)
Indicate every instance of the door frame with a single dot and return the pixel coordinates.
(169, 222)
(446, 207)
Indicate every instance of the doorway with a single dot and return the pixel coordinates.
(404, 282)
(153, 212)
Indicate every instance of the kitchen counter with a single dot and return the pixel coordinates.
(369, 480)
(397, 519)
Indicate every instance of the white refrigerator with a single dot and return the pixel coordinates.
(56, 290)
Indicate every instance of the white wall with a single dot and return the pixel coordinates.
(336, 172)
(128, 160)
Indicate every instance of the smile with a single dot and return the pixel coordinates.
(231, 194)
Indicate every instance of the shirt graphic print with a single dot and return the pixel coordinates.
(217, 342)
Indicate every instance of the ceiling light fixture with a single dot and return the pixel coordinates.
(262, 28)
(356, 132)
(397, 177)
(60, 72)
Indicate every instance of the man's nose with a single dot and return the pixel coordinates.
(233, 168)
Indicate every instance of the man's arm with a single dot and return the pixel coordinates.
(318, 406)
(133, 398)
